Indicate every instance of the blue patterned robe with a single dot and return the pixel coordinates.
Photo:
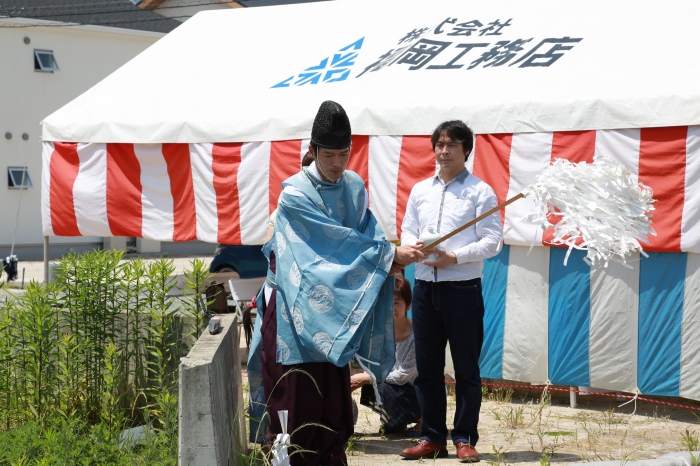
(333, 297)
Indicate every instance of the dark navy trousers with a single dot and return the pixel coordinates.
(451, 311)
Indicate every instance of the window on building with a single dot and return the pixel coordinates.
(45, 61)
(18, 178)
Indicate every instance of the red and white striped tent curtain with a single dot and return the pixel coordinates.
(627, 329)
(223, 193)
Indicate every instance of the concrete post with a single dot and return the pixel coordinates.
(212, 418)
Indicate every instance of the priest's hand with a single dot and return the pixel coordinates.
(406, 255)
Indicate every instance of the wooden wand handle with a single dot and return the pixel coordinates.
(472, 222)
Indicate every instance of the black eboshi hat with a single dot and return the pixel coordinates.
(331, 128)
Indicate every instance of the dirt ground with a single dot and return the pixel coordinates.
(515, 427)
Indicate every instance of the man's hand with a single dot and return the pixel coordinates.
(443, 258)
(406, 255)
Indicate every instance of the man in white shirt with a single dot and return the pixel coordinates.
(448, 303)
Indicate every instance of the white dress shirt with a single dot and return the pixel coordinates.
(446, 207)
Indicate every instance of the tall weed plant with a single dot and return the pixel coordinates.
(99, 347)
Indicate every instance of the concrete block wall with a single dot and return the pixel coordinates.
(212, 413)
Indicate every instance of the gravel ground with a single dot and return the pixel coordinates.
(518, 429)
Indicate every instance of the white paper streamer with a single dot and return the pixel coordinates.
(280, 449)
(600, 205)
(359, 359)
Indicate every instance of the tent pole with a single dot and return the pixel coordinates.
(46, 259)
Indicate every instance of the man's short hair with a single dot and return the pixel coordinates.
(456, 130)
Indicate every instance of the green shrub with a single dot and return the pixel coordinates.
(93, 353)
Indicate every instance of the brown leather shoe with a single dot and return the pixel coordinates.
(467, 453)
(425, 449)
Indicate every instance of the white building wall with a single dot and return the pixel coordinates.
(85, 55)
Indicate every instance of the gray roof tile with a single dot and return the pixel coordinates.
(114, 13)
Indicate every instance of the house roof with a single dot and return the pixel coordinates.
(113, 13)
(254, 3)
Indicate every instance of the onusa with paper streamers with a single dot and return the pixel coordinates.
(598, 207)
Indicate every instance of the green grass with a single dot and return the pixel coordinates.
(91, 354)
(72, 442)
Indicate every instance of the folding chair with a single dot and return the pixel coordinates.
(245, 287)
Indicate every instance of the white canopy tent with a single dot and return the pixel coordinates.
(506, 67)
(192, 138)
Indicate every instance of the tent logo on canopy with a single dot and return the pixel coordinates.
(451, 45)
(454, 44)
(330, 69)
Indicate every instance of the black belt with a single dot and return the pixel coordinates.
(472, 282)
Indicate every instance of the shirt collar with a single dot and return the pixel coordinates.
(461, 176)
